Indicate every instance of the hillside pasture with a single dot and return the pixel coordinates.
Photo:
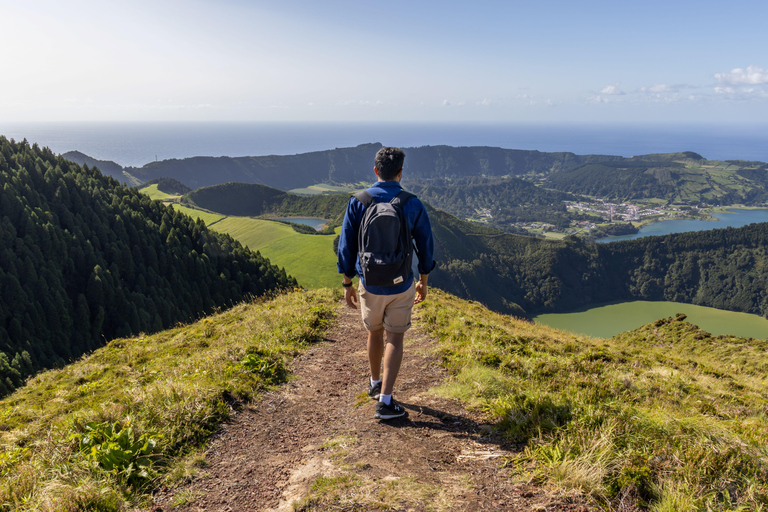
(153, 192)
(308, 258)
(209, 218)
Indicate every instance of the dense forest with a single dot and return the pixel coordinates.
(722, 268)
(107, 167)
(84, 259)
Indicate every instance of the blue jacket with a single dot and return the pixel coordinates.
(421, 230)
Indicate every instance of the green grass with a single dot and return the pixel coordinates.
(208, 217)
(153, 192)
(665, 415)
(308, 258)
(75, 439)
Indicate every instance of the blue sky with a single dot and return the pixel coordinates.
(296, 60)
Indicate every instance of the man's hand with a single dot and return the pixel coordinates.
(421, 289)
(350, 295)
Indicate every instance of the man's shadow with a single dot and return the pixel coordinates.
(424, 417)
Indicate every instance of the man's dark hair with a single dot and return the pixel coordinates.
(389, 163)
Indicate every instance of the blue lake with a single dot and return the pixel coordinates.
(733, 218)
(307, 221)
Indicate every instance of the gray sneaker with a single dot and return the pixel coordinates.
(374, 390)
(388, 412)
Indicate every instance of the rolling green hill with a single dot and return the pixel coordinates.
(522, 275)
(244, 199)
(84, 259)
(310, 259)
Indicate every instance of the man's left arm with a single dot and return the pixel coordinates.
(422, 237)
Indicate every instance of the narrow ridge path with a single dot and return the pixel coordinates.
(269, 455)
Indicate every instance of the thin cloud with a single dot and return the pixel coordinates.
(753, 75)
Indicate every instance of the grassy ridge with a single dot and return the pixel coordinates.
(664, 417)
(308, 258)
(99, 433)
(153, 192)
(208, 217)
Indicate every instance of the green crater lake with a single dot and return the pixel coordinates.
(609, 320)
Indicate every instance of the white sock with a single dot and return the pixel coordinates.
(374, 382)
(387, 399)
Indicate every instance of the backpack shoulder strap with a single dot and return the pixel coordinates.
(364, 197)
(401, 198)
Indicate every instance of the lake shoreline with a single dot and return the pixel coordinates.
(749, 215)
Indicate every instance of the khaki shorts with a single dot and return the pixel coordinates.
(392, 312)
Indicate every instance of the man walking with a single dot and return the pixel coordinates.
(385, 300)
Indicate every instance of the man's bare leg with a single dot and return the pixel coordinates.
(393, 356)
(375, 352)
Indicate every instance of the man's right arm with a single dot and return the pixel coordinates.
(422, 237)
(347, 248)
(347, 251)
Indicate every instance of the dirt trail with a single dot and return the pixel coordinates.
(439, 458)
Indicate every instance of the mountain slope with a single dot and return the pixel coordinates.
(522, 275)
(84, 259)
(107, 167)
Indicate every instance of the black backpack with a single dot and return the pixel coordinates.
(384, 245)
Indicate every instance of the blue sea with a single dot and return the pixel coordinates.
(135, 144)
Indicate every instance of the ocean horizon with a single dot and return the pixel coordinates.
(135, 144)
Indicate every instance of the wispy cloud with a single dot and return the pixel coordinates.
(753, 75)
(742, 84)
